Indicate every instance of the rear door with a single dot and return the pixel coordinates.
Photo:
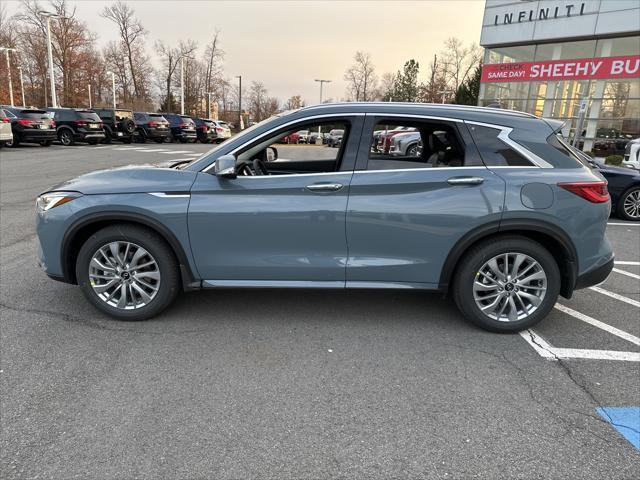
(406, 213)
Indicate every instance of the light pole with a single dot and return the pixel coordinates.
(6, 52)
(209, 103)
(240, 125)
(89, 86)
(113, 87)
(21, 87)
(321, 82)
(49, 16)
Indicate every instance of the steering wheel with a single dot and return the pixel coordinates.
(259, 168)
(245, 170)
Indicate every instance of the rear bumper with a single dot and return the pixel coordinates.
(36, 135)
(595, 276)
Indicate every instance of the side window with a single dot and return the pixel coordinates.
(307, 148)
(494, 152)
(138, 117)
(399, 144)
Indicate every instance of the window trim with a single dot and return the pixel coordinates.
(504, 137)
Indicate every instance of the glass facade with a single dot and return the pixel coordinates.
(613, 106)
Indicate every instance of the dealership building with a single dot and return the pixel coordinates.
(552, 57)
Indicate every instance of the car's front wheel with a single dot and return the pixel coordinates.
(628, 206)
(507, 284)
(128, 272)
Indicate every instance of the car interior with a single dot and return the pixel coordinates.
(271, 157)
(438, 146)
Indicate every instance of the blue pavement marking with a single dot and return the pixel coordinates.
(626, 420)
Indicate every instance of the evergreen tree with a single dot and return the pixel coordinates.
(406, 88)
(469, 91)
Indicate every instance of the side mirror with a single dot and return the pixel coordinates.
(272, 154)
(225, 166)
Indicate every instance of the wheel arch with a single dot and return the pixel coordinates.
(548, 235)
(81, 230)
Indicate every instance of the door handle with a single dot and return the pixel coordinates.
(465, 180)
(324, 187)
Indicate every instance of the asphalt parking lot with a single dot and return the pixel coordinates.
(300, 384)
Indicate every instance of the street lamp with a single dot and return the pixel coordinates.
(89, 87)
(49, 16)
(6, 52)
(113, 87)
(321, 82)
(21, 87)
(240, 125)
(209, 103)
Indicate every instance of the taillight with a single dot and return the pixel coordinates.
(153, 124)
(218, 129)
(25, 122)
(81, 123)
(5, 120)
(205, 128)
(53, 124)
(595, 192)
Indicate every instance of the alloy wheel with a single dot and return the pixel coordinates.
(124, 275)
(632, 204)
(65, 138)
(509, 287)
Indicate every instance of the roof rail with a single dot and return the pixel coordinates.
(447, 106)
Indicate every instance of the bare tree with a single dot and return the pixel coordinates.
(213, 72)
(361, 78)
(436, 88)
(459, 61)
(132, 34)
(294, 103)
(385, 88)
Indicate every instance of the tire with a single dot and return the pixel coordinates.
(14, 143)
(166, 267)
(66, 137)
(412, 151)
(45, 143)
(469, 276)
(630, 211)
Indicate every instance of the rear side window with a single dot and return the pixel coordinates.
(89, 116)
(34, 114)
(494, 152)
(554, 152)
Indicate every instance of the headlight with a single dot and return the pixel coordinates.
(47, 201)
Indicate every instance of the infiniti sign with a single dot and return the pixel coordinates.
(540, 14)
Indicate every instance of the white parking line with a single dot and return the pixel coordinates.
(194, 154)
(622, 298)
(178, 151)
(154, 150)
(597, 323)
(548, 351)
(618, 224)
(628, 274)
(626, 263)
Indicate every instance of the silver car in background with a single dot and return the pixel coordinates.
(405, 144)
(5, 128)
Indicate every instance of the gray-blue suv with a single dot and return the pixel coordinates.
(493, 209)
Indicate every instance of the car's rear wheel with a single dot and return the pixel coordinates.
(14, 142)
(628, 207)
(507, 284)
(66, 137)
(128, 272)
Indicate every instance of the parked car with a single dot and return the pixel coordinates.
(76, 125)
(632, 154)
(223, 130)
(5, 128)
(183, 128)
(293, 137)
(205, 130)
(316, 137)
(118, 124)
(405, 144)
(335, 138)
(303, 136)
(151, 126)
(384, 139)
(30, 126)
(623, 186)
(504, 242)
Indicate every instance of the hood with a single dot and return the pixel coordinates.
(130, 179)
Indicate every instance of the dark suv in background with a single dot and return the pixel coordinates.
(151, 126)
(30, 126)
(77, 126)
(118, 124)
(183, 128)
(205, 130)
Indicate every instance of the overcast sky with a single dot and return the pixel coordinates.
(287, 44)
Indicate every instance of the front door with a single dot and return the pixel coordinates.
(416, 191)
(281, 222)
